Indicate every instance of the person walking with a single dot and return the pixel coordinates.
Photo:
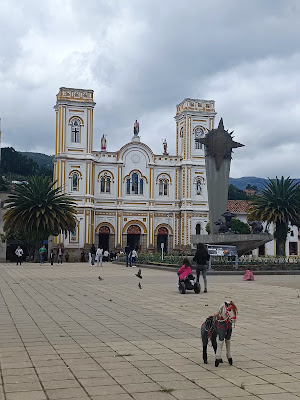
(51, 256)
(19, 253)
(60, 253)
(128, 255)
(201, 258)
(93, 255)
(42, 252)
(133, 258)
(99, 254)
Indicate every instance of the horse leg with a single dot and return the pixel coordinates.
(205, 353)
(214, 345)
(219, 353)
(204, 337)
(228, 351)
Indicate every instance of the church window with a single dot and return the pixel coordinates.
(135, 184)
(105, 184)
(198, 229)
(108, 185)
(163, 187)
(75, 131)
(199, 133)
(74, 182)
(141, 186)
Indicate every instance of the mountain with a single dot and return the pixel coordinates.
(241, 183)
(43, 160)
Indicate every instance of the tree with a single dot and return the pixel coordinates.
(236, 194)
(36, 210)
(239, 227)
(279, 204)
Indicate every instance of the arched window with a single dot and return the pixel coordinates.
(105, 183)
(75, 131)
(199, 183)
(199, 133)
(135, 184)
(198, 229)
(163, 187)
(75, 182)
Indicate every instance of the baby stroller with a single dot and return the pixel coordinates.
(189, 283)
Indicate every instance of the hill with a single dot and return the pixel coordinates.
(241, 183)
(43, 160)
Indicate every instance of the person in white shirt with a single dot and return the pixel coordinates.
(99, 254)
(19, 253)
(133, 258)
(105, 255)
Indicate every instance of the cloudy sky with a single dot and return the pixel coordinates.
(142, 57)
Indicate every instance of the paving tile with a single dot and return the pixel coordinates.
(26, 396)
(57, 394)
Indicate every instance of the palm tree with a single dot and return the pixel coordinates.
(278, 203)
(38, 210)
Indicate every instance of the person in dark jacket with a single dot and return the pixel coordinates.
(128, 255)
(93, 255)
(201, 258)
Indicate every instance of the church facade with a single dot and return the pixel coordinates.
(131, 196)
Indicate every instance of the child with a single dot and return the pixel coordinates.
(185, 270)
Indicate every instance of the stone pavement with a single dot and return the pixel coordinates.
(64, 334)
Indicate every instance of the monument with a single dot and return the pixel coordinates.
(218, 151)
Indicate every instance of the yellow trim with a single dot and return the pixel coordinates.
(105, 224)
(75, 166)
(56, 132)
(80, 111)
(163, 173)
(109, 172)
(132, 172)
(133, 203)
(76, 150)
(87, 130)
(168, 226)
(134, 222)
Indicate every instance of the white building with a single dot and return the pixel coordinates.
(240, 208)
(131, 195)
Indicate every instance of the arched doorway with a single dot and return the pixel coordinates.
(162, 237)
(134, 236)
(104, 232)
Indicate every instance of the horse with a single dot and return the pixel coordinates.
(217, 328)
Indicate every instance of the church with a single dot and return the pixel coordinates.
(131, 196)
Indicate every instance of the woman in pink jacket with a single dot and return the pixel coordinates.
(185, 270)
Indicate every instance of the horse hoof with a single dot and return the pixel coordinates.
(221, 361)
(205, 361)
(217, 362)
(230, 361)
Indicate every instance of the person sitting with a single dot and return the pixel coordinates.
(185, 270)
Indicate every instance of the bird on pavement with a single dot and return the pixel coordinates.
(100, 279)
(139, 274)
(140, 286)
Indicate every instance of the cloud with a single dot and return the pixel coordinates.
(143, 58)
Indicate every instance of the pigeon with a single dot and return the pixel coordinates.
(139, 274)
(100, 279)
(140, 286)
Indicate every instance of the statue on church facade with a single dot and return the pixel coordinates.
(165, 146)
(136, 128)
(103, 143)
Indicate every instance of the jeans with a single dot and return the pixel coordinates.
(93, 259)
(59, 259)
(42, 257)
(128, 260)
(19, 260)
(201, 268)
(99, 260)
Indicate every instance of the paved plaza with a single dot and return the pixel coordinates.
(67, 335)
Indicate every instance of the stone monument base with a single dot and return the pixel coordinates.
(243, 243)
